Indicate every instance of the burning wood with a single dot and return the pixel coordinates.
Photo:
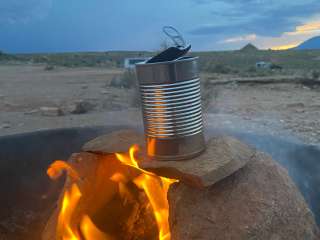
(109, 197)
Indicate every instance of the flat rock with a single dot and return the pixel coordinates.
(81, 107)
(104, 92)
(32, 112)
(259, 202)
(118, 141)
(51, 111)
(296, 105)
(5, 125)
(223, 156)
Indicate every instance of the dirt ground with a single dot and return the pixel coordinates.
(26, 92)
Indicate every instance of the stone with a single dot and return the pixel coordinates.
(104, 92)
(118, 141)
(259, 202)
(116, 82)
(51, 111)
(32, 112)
(296, 105)
(223, 156)
(5, 125)
(81, 107)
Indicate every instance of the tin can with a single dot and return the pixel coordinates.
(171, 107)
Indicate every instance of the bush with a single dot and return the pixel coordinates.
(126, 80)
(49, 67)
(218, 68)
(315, 75)
(252, 69)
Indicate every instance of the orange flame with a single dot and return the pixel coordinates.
(155, 187)
(90, 231)
(55, 170)
(69, 203)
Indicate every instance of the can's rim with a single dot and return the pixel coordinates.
(182, 59)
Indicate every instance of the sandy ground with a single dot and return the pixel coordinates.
(281, 108)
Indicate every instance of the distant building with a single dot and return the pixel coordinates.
(268, 65)
(264, 65)
(129, 63)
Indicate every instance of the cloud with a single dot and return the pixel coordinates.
(283, 41)
(267, 24)
(23, 11)
(72, 25)
(306, 28)
(296, 37)
(260, 17)
(245, 38)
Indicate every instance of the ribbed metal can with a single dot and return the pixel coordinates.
(171, 107)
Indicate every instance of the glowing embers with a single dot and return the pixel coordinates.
(110, 197)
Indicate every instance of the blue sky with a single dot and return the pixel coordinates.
(101, 25)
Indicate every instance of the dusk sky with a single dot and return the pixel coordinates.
(102, 25)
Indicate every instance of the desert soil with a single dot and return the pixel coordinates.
(280, 108)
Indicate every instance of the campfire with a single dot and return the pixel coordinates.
(173, 130)
(228, 190)
(116, 177)
(121, 186)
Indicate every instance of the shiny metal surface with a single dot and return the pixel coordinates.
(171, 106)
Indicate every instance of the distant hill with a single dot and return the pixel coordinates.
(312, 43)
(249, 48)
(6, 57)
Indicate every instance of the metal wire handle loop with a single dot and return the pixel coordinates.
(174, 35)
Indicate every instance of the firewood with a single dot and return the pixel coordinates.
(101, 200)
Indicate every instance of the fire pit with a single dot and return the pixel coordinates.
(167, 183)
(28, 196)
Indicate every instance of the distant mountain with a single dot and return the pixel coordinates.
(312, 43)
(249, 48)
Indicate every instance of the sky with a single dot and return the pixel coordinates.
(28, 26)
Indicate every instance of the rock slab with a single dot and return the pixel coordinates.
(259, 202)
(51, 111)
(117, 141)
(223, 156)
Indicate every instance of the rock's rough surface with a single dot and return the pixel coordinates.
(51, 111)
(259, 201)
(81, 107)
(118, 141)
(223, 156)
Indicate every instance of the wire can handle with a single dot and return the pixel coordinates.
(174, 35)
